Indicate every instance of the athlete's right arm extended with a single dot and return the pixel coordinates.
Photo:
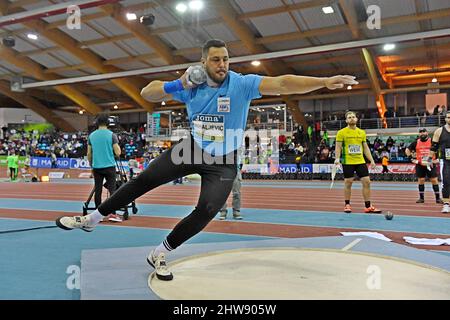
(435, 143)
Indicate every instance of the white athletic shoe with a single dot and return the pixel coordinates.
(223, 215)
(445, 208)
(159, 263)
(77, 222)
(237, 215)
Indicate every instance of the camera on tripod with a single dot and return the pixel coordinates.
(113, 122)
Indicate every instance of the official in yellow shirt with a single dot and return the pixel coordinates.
(351, 146)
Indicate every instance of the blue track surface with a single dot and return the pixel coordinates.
(293, 217)
(34, 263)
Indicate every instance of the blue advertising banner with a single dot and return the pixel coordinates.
(71, 163)
(66, 163)
(39, 162)
(282, 168)
(292, 168)
(79, 164)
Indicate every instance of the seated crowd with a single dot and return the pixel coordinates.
(311, 146)
(64, 145)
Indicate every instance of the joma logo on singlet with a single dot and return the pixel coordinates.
(207, 118)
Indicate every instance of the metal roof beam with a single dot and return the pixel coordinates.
(348, 7)
(260, 56)
(36, 106)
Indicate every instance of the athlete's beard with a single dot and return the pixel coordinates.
(212, 80)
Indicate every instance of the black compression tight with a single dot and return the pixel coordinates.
(216, 184)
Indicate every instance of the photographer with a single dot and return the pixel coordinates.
(102, 147)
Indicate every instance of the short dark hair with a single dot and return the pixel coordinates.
(102, 120)
(212, 43)
(349, 112)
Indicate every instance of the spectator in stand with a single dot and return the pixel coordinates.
(389, 114)
(290, 146)
(133, 165)
(377, 143)
(401, 150)
(324, 155)
(281, 141)
(376, 156)
(384, 153)
(310, 132)
(393, 152)
(325, 136)
(389, 141)
(299, 135)
(382, 148)
(317, 127)
(298, 160)
(299, 149)
(54, 160)
(423, 119)
(436, 110)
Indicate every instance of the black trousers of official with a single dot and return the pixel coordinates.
(109, 174)
(12, 173)
(216, 184)
(446, 180)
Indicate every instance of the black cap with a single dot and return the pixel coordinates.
(423, 130)
(102, 119)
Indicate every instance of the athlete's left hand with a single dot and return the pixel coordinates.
(338, 82)
(373, 165)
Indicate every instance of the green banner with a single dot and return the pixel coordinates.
(40, 127)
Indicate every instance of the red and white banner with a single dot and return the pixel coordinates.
(396, 168)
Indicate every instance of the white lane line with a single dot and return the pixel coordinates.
(351, 245)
